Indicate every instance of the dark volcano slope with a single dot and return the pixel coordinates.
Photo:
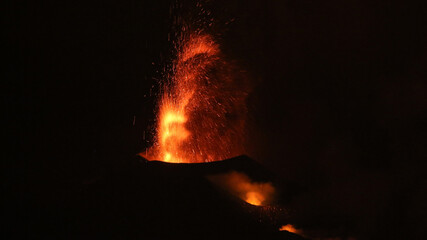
(242, 164)
(143, 199)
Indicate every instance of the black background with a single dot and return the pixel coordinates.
(338, 107)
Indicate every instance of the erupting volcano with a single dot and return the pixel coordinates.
(201, 116)
(202, 109)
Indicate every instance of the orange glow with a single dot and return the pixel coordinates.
(254, 198)
(289, 228)
(240, 185)
(201, 112)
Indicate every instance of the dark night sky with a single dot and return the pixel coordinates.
(338, 108)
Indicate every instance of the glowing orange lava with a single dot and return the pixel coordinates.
(254, 198)
(290, 228)
(240, 185)
(202, 111)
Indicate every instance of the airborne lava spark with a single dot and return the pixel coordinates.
(202, 110)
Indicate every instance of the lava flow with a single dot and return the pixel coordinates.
(202, 110)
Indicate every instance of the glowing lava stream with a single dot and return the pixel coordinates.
(172, 130)
(201, 112)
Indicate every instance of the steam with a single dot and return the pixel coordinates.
(241, 186)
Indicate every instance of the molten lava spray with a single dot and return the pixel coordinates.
(202, 109)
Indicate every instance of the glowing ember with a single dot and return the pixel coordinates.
(202, 111)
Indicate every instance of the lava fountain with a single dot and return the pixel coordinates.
(202, 112)
(202, 109)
